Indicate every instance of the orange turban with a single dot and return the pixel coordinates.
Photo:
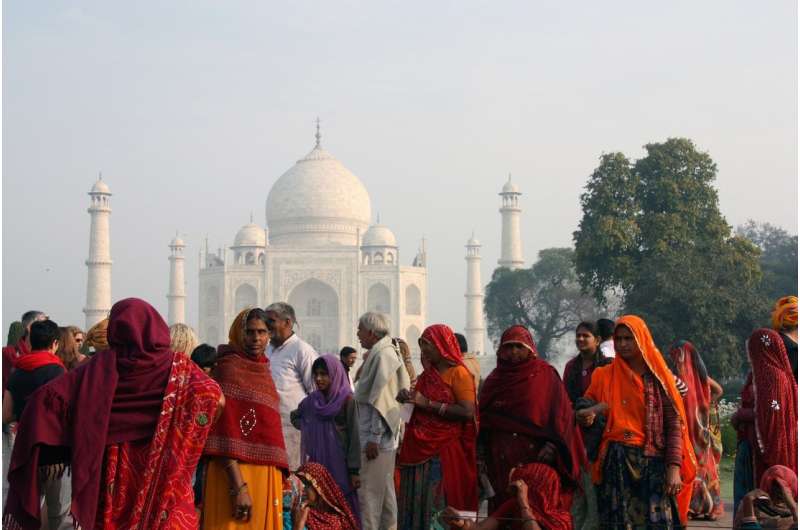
(784, 316)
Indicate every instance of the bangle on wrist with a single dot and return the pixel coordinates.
(442, 409)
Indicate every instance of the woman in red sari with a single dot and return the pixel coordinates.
(701, 394)
(527, 416)
(775, 408)
(131, 423)
(437, 457)
(325, 507)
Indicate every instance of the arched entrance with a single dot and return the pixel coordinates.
(317, 307)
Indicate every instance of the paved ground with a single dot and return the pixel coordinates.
(725, 522)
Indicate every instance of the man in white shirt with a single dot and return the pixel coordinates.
(605, 329)
(290, 361)
(382, 376)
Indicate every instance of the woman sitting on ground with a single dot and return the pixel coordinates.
(774, 505)
(534, 503)
(325, 507)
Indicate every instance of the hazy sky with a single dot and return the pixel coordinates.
(192, 110)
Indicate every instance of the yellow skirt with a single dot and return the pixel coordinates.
(265, 485)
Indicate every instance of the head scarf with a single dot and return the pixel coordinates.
(318, 435)
(544, 495)
(97, 336)
(617, 383)
(781, 475)
(338, 515)
(511, 401)
(182, 339)
(784, 315)
(443, 338)
(689, 366)
(428, 434)
(15, 332)
(775, 401)
(249, 428)
(114, 397)
(519, 335)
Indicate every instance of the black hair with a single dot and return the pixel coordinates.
(347, 350)
(462, 343)
(204, 356)
(605, 328)
(319, 364)
(256, 313)
(591, 327)
(43, 333)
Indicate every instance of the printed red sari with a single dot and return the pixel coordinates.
(689, 366)
(336, 513)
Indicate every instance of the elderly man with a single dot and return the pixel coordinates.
(290, 361)
(382, 377)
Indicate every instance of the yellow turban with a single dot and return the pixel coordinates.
(784, 316)
(97, 336)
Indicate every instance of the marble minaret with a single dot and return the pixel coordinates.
(98, 285)
(177, 284)
(475, 329)
(511, 246)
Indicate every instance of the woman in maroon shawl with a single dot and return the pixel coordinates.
(325, 507)
(775, 410)
(437, 457)
(526, 416)
(131, 423)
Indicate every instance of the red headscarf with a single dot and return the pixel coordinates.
(697, 401)
(109, 399)
(544, 495)
(428, 434)
(781, 475)
(775, 401)
(249, 428)
(511, 400)
(341, 518)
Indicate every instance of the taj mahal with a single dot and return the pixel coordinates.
(319, 252)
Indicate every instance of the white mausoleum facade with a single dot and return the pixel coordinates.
(320, 254)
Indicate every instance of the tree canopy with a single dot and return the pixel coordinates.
(546, 298)
(653, 230)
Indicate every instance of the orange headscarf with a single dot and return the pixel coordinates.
(236, 331)
(784, 315)
(616, 383)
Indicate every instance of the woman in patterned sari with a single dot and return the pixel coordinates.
(645, 465)
(130, 423)
(244, 482)
(437, 457)
(325, 507)
(702, 393)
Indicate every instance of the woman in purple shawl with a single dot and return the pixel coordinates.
(328, 423)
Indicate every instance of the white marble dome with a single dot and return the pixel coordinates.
(100, 187)
(250, 235)
(510, 187)
(317, 201)
(379, 236)
(177, 242)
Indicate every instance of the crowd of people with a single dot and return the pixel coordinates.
(139, 426)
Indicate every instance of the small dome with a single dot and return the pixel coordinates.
(473, 242)
(100, 187)
(177, 242)
(250, 235)
(378, 236)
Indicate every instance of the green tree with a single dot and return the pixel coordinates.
(653, 230)
(778, 257)
(545, 298)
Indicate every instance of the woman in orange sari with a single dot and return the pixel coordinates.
(437, 458)
(645, 465)
(244, 482)
(702, 392)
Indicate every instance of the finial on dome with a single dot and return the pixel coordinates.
(318, 136)
(100, 176)
(379, 218)
(509, 177)
(251, 216)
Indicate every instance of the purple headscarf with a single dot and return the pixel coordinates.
(319, 441)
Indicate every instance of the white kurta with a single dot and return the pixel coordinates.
(290, 364)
